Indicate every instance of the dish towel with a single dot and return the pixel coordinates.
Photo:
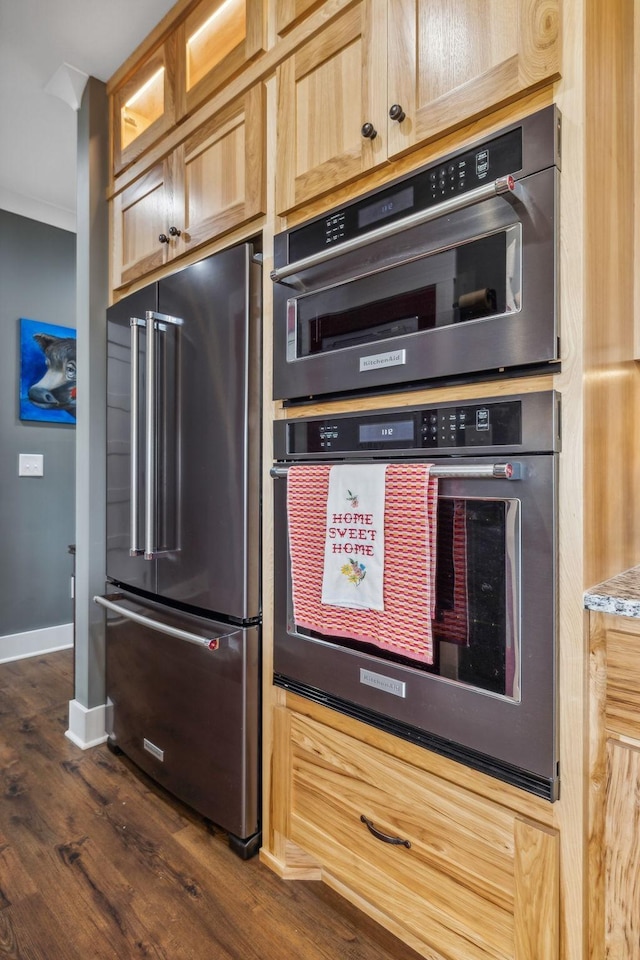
(453, 620)
(354, 542)
(404, 625)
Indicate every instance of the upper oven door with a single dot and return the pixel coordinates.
(448, 272)
(466, 293)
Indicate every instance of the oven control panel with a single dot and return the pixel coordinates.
(446, 428)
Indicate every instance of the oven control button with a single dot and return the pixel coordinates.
(482, 419)
(482, 163)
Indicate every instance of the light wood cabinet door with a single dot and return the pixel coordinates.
(622, 853)
(140, 215)
(218, 39)
(146, 106)
(223, 172)
(614, 825)
(451, 62)
(327, 91)
(209, 185)
(464, 877)
(413, 70)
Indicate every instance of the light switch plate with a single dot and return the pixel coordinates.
(30, 465)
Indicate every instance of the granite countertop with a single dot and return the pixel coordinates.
(620, 595)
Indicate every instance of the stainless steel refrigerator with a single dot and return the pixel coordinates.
(183, 536)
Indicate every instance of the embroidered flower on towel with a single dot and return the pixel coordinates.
(354, 572)
(353, 500)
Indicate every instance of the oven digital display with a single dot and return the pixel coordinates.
(391, 204)
(390, 432)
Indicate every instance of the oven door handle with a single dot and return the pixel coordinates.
(468, 471)
(506, 186)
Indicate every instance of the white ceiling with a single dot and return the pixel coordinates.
(38, 129)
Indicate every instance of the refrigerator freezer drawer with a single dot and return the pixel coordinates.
(187, 713)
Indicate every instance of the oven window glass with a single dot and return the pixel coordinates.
(476, 622)
(476, 625)
(472, 281)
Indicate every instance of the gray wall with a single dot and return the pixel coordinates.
(37, 515)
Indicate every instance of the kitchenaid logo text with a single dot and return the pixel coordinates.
(393, 359)
(388, 684)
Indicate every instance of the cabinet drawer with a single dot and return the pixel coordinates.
(623, 683)
(458, 880)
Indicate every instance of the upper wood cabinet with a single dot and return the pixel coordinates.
(203, 51)
(390, 74)
(326, 91)
(218, 39)
(211, 183)
(144, 107)
(449, 62)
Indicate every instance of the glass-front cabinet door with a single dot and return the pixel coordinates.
(202, 51)
(144, 107)
(219, 38)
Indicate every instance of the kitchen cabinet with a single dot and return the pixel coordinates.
(145, 106)
(219, 38)
(205, 187)
(622, 846)
(388, 75)
(615, 788)
(455, 874)
(214, 41)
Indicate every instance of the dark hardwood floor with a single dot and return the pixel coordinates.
(98, 862)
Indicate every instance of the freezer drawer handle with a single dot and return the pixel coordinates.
(503, 186)
(210, 643)
(469, 471)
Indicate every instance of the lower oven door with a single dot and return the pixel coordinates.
(488, 698)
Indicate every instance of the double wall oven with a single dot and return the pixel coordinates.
(446, 276)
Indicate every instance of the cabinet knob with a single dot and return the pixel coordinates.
(174, 232)
(368, 131)
(163, 238)
(397, 113)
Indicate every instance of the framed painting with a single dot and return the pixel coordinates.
(47, 372)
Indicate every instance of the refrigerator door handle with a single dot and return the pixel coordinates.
(150, 441)
(209, 643)
(155, 321)
(134, 548)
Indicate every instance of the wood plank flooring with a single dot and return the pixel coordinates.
(98, 862)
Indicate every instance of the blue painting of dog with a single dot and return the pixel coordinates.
(47, 372)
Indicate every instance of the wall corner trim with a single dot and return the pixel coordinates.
(86, 726)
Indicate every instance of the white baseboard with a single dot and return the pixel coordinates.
(86, 726)
(34, 643)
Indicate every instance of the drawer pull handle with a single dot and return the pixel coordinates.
(384, 836)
